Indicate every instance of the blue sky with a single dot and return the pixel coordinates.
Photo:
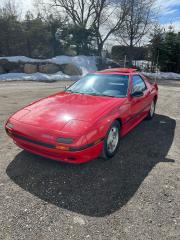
(169, 13)
(173, 14)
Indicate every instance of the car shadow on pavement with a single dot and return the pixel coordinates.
(97, 188)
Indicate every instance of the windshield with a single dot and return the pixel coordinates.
(111, 85)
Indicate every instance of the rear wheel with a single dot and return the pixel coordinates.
(151, 110)
(111, 141)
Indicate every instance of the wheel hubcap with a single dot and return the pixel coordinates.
(152, 109)
(112, 140)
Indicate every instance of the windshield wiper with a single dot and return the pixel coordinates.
(102, 95)
(92, 94)
(73, 92)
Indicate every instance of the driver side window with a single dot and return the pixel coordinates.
(138, 84)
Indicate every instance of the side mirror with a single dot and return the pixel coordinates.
(137, 94)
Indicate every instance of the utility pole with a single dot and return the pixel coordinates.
(125, 57)
(157, 63)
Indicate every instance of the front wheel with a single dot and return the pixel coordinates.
(151, 110)
(111, 141)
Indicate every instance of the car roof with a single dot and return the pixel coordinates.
(118, 71)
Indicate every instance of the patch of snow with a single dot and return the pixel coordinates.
(22, 59)
(85, 63)
(163, 75)
(142, 64)
(37, 77)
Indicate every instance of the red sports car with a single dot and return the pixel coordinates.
(86, 120)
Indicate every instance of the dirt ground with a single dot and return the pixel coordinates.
(135, 196)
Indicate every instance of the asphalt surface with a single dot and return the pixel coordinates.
(134, 196)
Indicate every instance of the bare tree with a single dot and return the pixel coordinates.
(104, 17)
(12, 8)
(109, 18)
(44, 9)
(137, 24)
(80, 12)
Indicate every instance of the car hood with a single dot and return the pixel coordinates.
(55, 111)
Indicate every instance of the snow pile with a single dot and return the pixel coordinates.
(163, 75)
(142, 64)
(22, 59)
(37, 77)
(85, 63)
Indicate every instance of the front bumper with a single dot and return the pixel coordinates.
(49, 151)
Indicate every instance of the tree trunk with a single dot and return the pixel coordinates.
(29, 47)
(131, 55)
(100, 60)
(100, 47)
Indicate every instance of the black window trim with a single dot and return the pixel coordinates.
(142, 80)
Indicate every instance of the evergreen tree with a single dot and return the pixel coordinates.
(10, 33)
(76, 37)
(37, 36)
(156, 44)
(165, 48)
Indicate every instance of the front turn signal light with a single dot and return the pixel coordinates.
(98, 141)
(64, 148)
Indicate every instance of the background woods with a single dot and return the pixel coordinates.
(89, 27)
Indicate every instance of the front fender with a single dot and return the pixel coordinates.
(100, 128)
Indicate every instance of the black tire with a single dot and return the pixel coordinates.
(106, 153)
(151, 110)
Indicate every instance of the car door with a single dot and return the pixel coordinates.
(139, 104)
